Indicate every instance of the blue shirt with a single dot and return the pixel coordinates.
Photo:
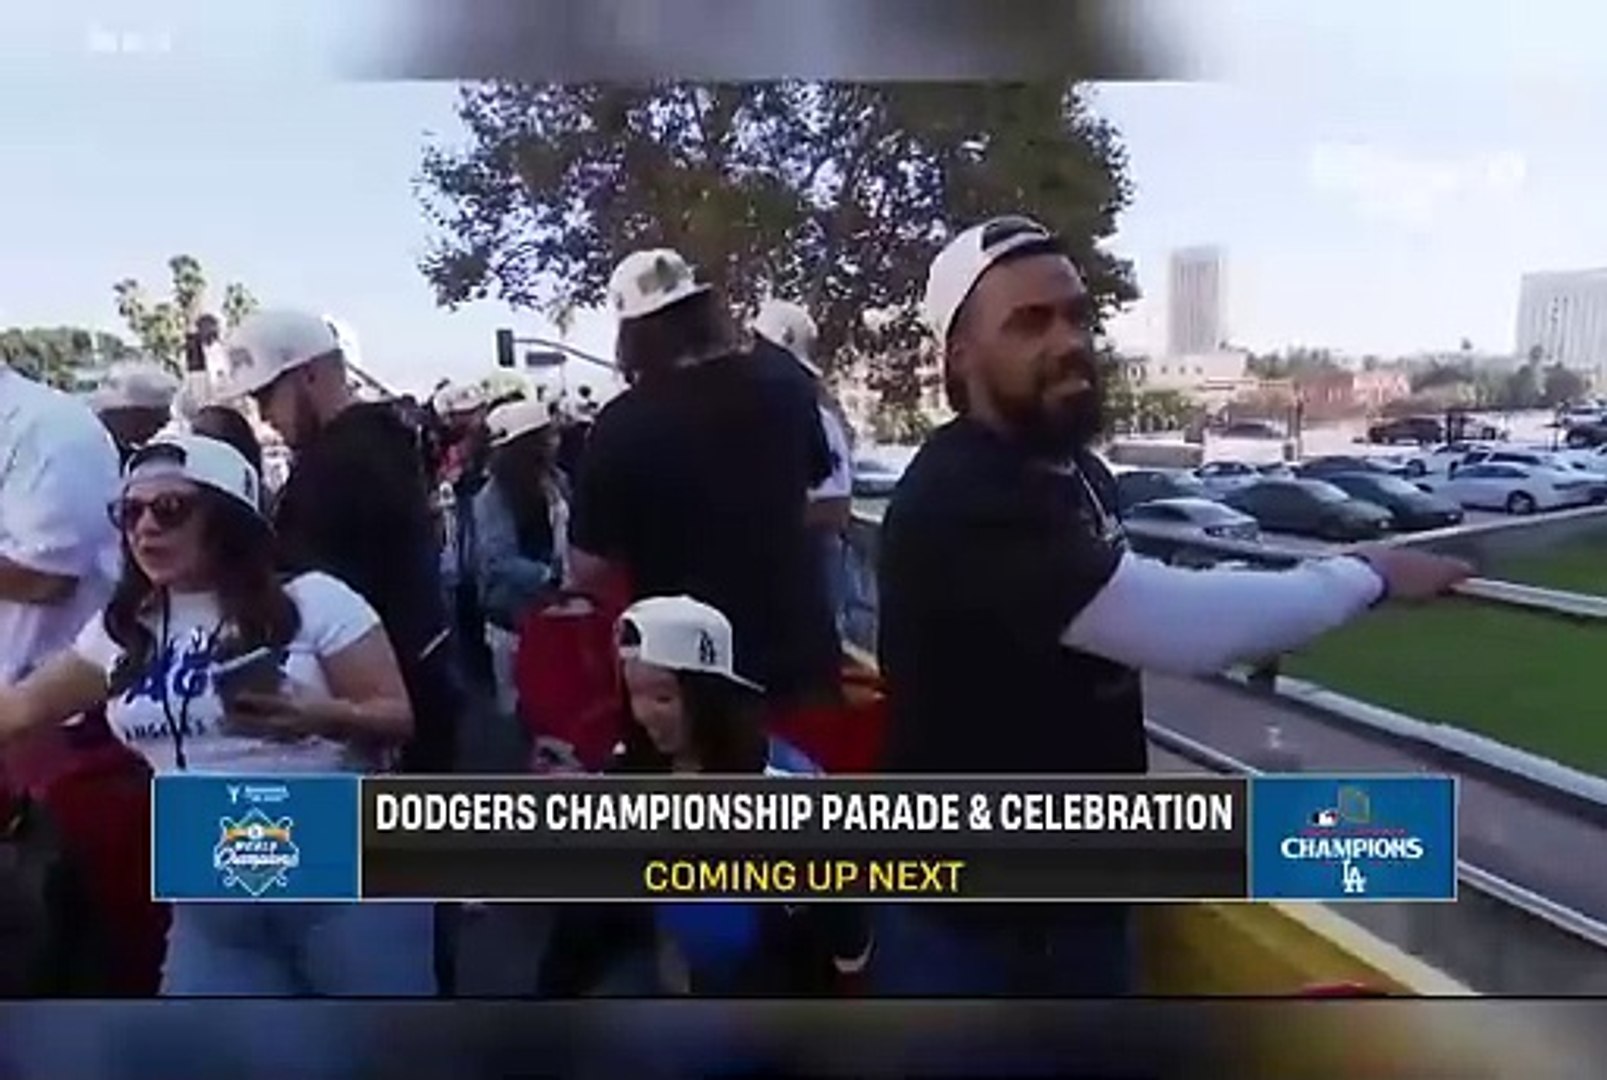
(718, 941)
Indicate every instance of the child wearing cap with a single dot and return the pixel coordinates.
(693, 713)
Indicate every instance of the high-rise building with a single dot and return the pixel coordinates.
(1562, 319)
(1194, 302)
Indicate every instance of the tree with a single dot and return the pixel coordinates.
(57, 354)
(1561, 386)
(834, 194)
(162, 327)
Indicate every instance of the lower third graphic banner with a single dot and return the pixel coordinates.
(895, 838)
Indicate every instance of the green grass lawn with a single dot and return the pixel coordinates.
(1578, 567)
(1526, 679)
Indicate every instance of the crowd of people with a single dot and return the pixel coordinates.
(144, 563)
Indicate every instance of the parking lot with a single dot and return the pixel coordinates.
(1524, 429)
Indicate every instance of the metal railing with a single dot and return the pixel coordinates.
(861, 633)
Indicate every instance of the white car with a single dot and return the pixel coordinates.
(1541, 459)
(1517, 489)
(1225, 476)
(1441, 460)
(1193, 519)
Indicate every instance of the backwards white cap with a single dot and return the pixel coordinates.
(210, 463)
(682, 634)
(645, 282)
(960, 265)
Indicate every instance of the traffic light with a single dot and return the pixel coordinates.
(505, 357)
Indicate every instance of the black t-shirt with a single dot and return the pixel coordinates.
(986, 557)
(697, 483)
(357, 506)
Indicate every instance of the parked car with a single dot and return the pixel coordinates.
(1320, 468)
(1443, 459)
(1423, 430)
(1410, 507)
(1517, 489)
(1275, 471)
(1134, 486)
(1250, 429)
(1559, 461)
(1224, 476)
(1194, 519)
(1584, 436)
(874, 479)
(1310, 508)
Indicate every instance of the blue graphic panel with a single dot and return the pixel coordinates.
(255, 838)
(1353, 838)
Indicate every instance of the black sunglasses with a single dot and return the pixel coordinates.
(168, 511)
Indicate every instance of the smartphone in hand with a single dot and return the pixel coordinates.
(256, 672)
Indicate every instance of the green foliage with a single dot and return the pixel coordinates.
(1291, 364)
(1531, 386)
(1130, 409)
(899, 424)
(57, 354)
(834, 194)
(162, 326)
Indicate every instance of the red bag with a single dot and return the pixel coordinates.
(103, 807)
(567, 677)
(843, 739)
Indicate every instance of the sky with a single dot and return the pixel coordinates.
(1378, 174)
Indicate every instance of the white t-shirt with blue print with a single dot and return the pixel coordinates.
(173, 706)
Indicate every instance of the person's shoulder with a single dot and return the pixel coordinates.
(959, 473)
(36, 408)
(947, 461)
(315, 593)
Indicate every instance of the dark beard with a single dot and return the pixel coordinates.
(1055, 434)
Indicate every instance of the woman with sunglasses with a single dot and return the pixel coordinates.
(198, 585)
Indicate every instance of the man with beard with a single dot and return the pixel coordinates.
(1013, 622)
(356, 505)
(696, 479)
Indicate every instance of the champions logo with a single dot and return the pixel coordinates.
(255, 852)
(1346, 833)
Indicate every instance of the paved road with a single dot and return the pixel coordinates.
(1542, 848)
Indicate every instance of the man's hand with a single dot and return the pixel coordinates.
(1413, 575)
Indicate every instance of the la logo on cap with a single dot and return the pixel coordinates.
(707, 654)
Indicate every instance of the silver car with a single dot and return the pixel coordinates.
(1193, 519)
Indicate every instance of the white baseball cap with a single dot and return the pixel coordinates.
(211, 463)
(960, 265)
(269, 343)
(515, 418)
(648, 281)
(136, 384)
(458, 399)
(682, 634)
(789, 326)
